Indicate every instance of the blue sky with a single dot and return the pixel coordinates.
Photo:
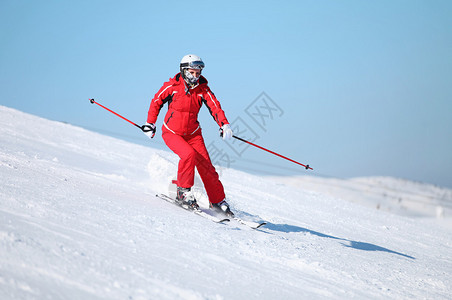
(358, 88)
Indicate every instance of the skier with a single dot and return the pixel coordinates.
(185, 93)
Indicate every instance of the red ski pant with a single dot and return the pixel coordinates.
(193, 153)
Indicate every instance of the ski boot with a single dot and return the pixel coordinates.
(186, 198)
(222, 207)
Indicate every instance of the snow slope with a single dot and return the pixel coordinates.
(393, 195)
(79, 220)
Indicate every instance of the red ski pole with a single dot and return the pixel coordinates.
(274, 153)
(94, 102)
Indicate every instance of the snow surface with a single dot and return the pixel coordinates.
(79, 220)
(395, 195)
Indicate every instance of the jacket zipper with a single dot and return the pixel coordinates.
(169, 118)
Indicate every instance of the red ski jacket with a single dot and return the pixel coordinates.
(184, 105)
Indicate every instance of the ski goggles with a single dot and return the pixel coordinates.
(198, 65)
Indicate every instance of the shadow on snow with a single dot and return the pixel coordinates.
(347, 243)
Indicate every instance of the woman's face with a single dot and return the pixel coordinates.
(195, 72)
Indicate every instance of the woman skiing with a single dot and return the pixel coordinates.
(185, 93)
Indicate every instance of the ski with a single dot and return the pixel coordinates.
(251, 224)
(198, 211)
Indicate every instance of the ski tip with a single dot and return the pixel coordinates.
(260, 225)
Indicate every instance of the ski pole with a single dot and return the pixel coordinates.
(94, 102)
(274, 153)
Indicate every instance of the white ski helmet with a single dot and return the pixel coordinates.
(190, 61)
